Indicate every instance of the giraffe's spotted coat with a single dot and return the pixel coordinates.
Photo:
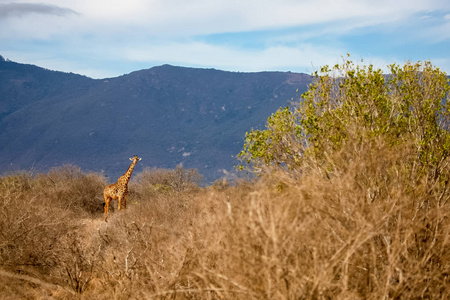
(119, 190)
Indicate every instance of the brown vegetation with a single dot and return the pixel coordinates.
(373, 229)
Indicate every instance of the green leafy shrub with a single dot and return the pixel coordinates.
(359, 104)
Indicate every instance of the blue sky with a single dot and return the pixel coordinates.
(108, 38)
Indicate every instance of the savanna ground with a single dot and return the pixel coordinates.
(351, 202)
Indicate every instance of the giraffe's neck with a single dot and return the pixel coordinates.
(127, 174)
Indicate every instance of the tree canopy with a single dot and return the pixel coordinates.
(353, 104)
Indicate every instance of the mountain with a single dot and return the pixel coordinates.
(167, 115)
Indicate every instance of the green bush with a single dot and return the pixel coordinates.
(359, 104)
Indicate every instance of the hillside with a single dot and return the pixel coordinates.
(168, 115)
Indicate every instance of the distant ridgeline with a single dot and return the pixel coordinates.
(167, 115)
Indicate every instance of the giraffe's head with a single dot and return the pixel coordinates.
(135, 159)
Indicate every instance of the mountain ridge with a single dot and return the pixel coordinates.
(166, 114)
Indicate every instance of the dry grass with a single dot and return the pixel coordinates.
(373, 229)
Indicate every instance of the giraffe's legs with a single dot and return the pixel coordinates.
(120, 202)
(107, 201)
(124, 201)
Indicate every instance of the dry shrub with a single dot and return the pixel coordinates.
(39, 215)
(129, 248)
(221, 184)
(29, 226)
(152, 181)
(373, 229)
(143, 247)
(79, 258)
(376, 227)
(69, 188)
(53, 222)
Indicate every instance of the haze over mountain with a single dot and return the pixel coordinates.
(167, 115)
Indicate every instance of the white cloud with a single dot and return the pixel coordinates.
(204, 17)
(236, 59)
(169, 31)
(197, 17)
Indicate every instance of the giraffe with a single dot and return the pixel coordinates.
(119, 190)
